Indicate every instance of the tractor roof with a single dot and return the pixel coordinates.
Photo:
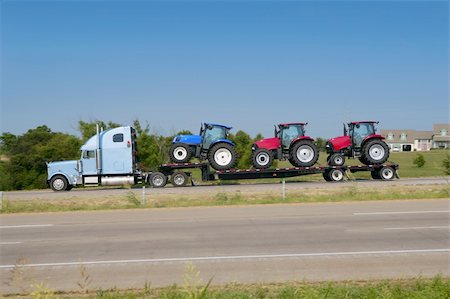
(288, 124)
(217, 125)
(364, 121)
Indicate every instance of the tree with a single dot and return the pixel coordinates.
(446, 164)
(419, 160)
(25, 166)
(89, 129)
(321, 142)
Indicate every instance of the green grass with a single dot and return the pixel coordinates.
(131, 201)
(417, 288)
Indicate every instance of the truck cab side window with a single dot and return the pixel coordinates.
(88, 154)
(118, 138)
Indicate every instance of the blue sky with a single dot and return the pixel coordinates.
(248, 64)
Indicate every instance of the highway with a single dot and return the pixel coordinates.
(271, 243)
(209, 189)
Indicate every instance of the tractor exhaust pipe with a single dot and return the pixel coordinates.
(98, 156)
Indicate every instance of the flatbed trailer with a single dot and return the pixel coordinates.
(176, 174)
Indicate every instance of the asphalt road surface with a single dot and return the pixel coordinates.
(324, 241)
(214, 189)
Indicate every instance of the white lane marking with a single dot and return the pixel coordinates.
(10, 243)
(417, 227)
(235, 257)
(395, 213)
(26, 226)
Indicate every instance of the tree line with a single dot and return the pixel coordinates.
(23, 157)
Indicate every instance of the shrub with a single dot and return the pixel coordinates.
(419, 160)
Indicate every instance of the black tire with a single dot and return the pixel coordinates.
(375, 174)
(180, 153)
(326, 176)
(179, 179)
(157, 180)
(59, 183)
(362, 160)
(336, 175)
(387, 173)
(375, 152)
(262, 158)
(303, 153)
(336, 160)
(224, 153)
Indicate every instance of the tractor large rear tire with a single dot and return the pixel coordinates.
(262, 158)
(375, 152)
(180, 153)
(303, 153)
(222, 156)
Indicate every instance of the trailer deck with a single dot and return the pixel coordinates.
(179, 178)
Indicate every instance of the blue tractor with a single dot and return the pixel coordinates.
(211, 144)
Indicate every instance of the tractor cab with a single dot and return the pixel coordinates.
(212, 132)
(359, 131)
(289, 132)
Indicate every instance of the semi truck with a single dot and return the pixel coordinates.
(110, 158)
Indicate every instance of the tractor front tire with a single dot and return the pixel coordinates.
(336, 160)
(303, 153)
(222, 156)
(180, 153)
(262, 158)
(375, 152)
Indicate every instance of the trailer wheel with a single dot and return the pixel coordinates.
(157, 180)
(336, 175)
(375, 174)
(262, 158)
(326, 176)
(180, 153)
(59, 183)
(336, 160)
(179, 179)
(387, 173)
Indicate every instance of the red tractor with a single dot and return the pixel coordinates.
(359, 141)
(289, 143)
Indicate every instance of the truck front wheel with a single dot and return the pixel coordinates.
(59, 183)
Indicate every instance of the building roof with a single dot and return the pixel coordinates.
(411, 135)
(437, 128)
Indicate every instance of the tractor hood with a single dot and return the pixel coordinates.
(339, 143)
(68, 168)
(268, 143)
(188, 139)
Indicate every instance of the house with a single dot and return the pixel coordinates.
(441, 136)
(412, 140)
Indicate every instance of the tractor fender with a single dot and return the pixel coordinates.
(222, 140)
(300, 138)
(70, 181)
(371, 137)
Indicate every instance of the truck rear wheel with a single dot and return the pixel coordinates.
(59, 183)
(157, 180)
(180, 153)
(303, 153)
(375, 152)
(262, 158)
(222, 156)
(179, 179)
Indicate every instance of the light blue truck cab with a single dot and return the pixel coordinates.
(108, 158)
